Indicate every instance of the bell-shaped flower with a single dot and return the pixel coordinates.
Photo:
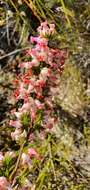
(15, 123)
(45, 72)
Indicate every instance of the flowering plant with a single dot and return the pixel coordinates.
(36, 86)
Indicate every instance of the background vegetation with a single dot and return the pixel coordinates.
(67, 147)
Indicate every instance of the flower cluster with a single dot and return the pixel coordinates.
(37, 84)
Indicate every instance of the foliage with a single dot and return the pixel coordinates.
(71, 93)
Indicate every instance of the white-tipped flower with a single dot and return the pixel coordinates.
(25, 158)
(45, 72)
(16, 134)
(10, 154)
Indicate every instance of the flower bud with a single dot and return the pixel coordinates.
(25, 158)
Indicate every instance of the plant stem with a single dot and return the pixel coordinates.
(14, 52)
(17, 163)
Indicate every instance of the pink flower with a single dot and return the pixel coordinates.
(16, 135)
(34, 39)
(33, 53)
(16, 93)
(21, 88)
(56, 59)
(45, 72)
(34, 62)
(3, 183)
(42, 45)
(21, 91)
(38, 91)
(46, 29)
(44, 24)
(16, 124)
(41, 56)
(31, 137)
(40, 83)
(33, 153)
(39, 105)
(30, 88)
(25, 107)
(43, 29)
(25, 65)
(30, 64)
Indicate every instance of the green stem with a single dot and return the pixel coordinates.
(17, 163)
(14, 52)
(65, 11)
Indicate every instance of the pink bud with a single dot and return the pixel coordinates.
(34, 39)
(33, 153)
